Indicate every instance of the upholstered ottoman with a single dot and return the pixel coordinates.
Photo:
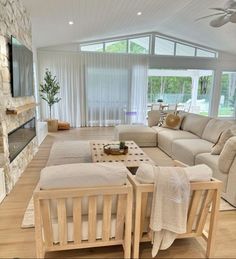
(142, 135)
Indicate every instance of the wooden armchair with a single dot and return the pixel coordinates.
(111, 232)
(204, 195)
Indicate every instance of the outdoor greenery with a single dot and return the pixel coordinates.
(49, 90)
(117, 47)
(161, 87)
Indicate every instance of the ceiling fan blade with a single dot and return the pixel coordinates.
(230, 4)
(218, 9)
(232, 18)
(207, 16)
(220, 21)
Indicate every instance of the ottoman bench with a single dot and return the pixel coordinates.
(142, 135)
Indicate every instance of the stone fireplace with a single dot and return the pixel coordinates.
(14, 20)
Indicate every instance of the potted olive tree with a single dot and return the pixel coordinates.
(48, 92)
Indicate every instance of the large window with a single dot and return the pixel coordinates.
(189, 89)
(228, 95)
(138, 45)
(164, 46)
(143, 45)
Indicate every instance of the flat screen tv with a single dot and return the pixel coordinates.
(21, 69)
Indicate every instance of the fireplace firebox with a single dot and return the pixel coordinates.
(19, 138)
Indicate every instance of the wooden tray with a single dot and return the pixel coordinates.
(109, 151)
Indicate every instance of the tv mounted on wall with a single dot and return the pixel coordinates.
(21, 69)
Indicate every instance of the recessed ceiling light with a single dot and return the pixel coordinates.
(139, 13)
(71, 22)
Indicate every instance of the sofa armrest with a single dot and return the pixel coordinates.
(153, 118)
(227, 155)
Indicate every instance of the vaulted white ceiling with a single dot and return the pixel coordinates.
(98, 19)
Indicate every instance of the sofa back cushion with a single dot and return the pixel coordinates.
(214, 128)
(195, 123)
(227, 155)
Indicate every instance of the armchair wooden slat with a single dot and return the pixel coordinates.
(62, 221)
(92, 218)
(106, 222)
(120, 216)
(77, 220)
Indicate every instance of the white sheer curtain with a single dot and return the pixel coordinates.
(68, 69)
(97, 89)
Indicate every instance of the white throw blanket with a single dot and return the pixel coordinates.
(170, 199)
(169, 207)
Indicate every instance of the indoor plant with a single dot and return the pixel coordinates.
(48, 92)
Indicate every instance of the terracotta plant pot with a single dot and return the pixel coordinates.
(52, 125)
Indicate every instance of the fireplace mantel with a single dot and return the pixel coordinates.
(20, 109)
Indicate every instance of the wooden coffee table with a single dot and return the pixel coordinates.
(131, 160)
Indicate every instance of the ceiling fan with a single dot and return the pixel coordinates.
(225, 15)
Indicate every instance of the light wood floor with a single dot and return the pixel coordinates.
(17, 242)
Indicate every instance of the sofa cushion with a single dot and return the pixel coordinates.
(142, 135)
(167, 136)
(195, 123)
(185, 150)
(227, 155)
(214, 128)
(224, 136)
(212, 162)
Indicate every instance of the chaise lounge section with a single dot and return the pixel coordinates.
(192, 144)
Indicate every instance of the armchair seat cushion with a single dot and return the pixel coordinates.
(186, 150)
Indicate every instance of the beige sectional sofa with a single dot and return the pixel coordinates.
(192, 144)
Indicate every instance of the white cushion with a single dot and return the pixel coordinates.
(227, 155)
(214, 128)
(167, 136)
(142, 135)
(145, 173)
(218, 147)
(69, 152)
(185, 150)
(83, 175)
(212, 162)
(195, 123)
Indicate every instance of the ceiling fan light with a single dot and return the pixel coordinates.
(233, 18)
(220, 21)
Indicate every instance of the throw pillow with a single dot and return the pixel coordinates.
(224, 136)
(172, 121)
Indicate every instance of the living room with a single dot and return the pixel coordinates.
(142, 89)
